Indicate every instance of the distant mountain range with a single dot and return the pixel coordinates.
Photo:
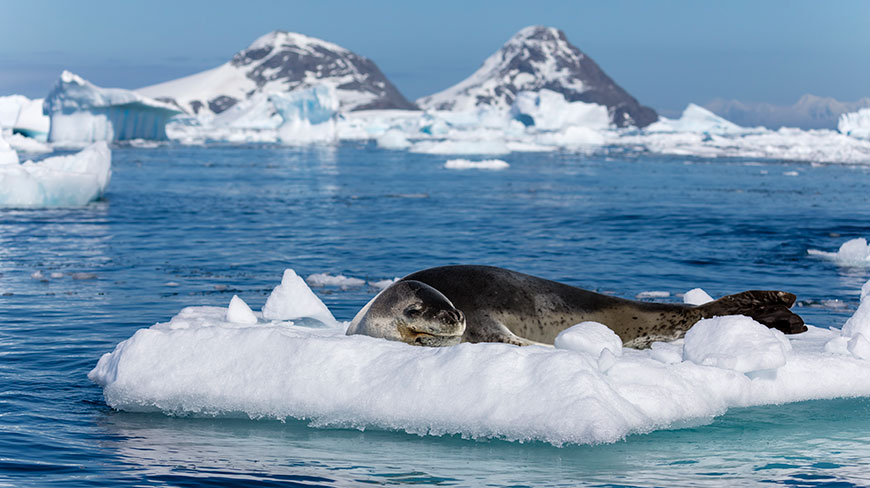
(283, 61)
(537, 58)
(534, 59)
(810, 112)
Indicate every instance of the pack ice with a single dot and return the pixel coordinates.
(220, 362)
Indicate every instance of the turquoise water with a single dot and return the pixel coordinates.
(194, 225)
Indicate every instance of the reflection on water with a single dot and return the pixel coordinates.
(786, 444)
(194, 225)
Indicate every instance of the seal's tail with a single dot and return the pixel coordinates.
(770, 308)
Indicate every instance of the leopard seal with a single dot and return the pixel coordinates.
(499, 305)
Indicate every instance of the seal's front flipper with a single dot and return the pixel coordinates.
(770, 308)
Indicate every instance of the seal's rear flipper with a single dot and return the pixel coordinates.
(770, 308)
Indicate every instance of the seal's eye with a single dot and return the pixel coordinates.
(413, 311)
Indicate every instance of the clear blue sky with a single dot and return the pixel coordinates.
(665, 53)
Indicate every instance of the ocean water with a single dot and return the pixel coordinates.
(186, 226)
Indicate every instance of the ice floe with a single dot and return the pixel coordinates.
(206, 361)
(854, 253)
(490, 164)
(341, 281)
(58, 181)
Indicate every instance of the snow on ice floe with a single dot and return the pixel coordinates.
(489, 164)
(852, 253)
(587, 389)
(81, 112)
(58, 181)
(696, 296)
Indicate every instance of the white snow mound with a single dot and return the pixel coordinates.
(737, 343)
(292, 299)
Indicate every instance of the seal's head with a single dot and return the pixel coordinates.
(411, 312)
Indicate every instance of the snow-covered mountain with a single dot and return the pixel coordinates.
(537, 58)
(280, 62)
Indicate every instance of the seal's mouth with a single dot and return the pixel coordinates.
(420, 338)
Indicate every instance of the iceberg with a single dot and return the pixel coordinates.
(852, 253)
(548, 110)
(855, 124)
(696, 119)
(81, 112)
(308, 115)
(586, 390)
(59, 181)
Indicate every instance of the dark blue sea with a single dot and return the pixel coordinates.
(184, 226)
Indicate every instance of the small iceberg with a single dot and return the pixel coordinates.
(852, 253)
(81, 112)
(59, 181)
(308, 115)
(697, 119)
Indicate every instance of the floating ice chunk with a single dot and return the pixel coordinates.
(652, 294)
(460, 147)
(696, 119)
(200, 364)
(58, 181)
(491, 164)
(859, 322)
(855, 124)
(696, 296)
(324, 279)
(292, 299)
(854, 252)
(393, 139)
(383, 284)
(548, 110)
(589, 338)
(239, 312)
(737, 343)
(82, 112)
(308, 115)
